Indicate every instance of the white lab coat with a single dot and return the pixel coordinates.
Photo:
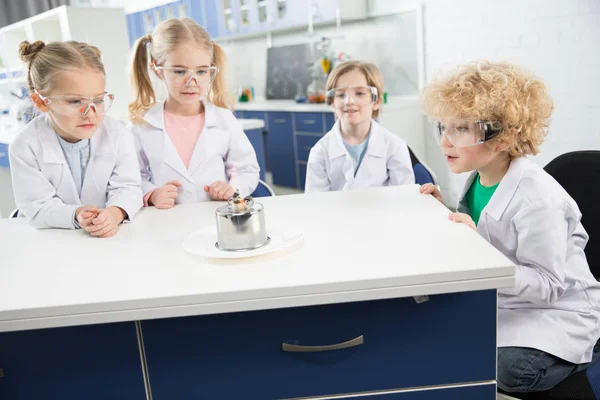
(44, 189)
(555, 303)
(222, 153)
(386, 162)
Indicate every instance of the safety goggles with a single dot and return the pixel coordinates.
(78, 106)
(465, 133)
(358, 95)
(202, 76)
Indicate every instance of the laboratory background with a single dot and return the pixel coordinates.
(281, 53)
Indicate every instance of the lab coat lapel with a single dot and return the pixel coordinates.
(156, 117)
(200, 150)
(55, 160)
(375, 150)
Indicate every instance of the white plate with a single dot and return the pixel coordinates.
(202, 243)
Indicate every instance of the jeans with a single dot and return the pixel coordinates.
(525, 370)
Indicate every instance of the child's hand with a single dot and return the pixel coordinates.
(463, 219)
(85, 214)
(433, 190)
(165, 196)
(219, 190)
(106, 224)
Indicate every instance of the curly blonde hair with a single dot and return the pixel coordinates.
(500, 92)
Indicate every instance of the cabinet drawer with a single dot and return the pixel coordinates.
(478, 392)
(304, 143)
(4, 155)
(280, 121)
(308, 122)
(94, 362)
(258, 355)
(255, 115)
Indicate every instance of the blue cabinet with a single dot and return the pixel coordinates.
(256, 139)
(96, 362)
(479, 392)
(4, 155)
(289, 138)
(379, 345)
(280, 145)
(213, 18)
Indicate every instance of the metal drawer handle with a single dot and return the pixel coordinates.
(280, 121)
(295, 348)
(309, 121)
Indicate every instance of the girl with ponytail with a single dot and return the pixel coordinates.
(190, 146)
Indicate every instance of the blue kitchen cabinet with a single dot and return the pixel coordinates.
(214, 20)
(280, 145)
(4, 155)
(135, 27)
(301, 169)
(193, 9)
(329, 121)
(94, 362)
(257, 140)
(366, 346)
(289, 13)
(477, 392)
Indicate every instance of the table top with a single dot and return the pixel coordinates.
(358, 245)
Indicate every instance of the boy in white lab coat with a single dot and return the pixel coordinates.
(490, 116)
(357, 152)
(73, 167)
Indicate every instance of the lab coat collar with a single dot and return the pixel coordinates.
(507, 188)
(505, 191)
(376, 146)
(155, 116)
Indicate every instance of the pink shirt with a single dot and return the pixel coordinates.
(184, 132)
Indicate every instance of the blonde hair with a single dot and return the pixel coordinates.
(499, 92)
(163, 40)
(371, 72)
(45, 61)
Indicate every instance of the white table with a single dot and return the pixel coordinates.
(359, 246)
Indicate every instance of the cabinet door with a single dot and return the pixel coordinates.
(301, 174)
(480, 392)
(95, 362)
(256, 139)
(325, 350)
(280, 144)
(213, 15)
(195, 10)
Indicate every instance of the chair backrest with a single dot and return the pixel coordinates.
(263, 190)
(423, 174)
(593, 376)
(578, 173)
(14, 213)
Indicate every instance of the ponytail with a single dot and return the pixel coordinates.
(144, 96)
(219, 93)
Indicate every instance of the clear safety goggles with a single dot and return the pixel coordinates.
(358, 95)
(466, 133)
(78, 106)
(202, 76)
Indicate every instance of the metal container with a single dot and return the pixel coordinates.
(241, 225)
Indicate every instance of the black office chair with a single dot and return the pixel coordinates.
(579, 174)
(423, 174)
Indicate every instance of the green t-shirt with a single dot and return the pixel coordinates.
(477, 198)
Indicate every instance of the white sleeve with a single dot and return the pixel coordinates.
(35, 196)
(542, 240)
(124, 188)
(317, 179)
(144, 163)
(400, 166)
(241, 166)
